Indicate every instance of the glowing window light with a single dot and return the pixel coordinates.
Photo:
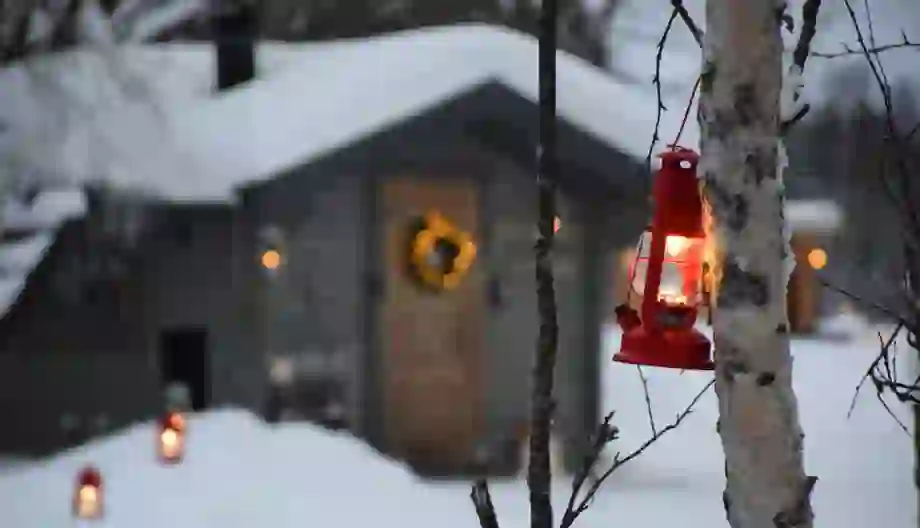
(817, 258)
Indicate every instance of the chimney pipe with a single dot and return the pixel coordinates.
(235, 27)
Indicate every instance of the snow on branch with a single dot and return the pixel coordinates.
(792, 108)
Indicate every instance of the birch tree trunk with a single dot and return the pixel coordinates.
(741, 163)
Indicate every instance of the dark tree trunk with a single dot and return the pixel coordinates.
(542, 403)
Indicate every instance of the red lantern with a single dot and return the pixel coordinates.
(171, 438)
(87, 497)
(668, 273)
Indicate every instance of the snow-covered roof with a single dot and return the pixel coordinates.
(201, 149)
(17, 260)
(40, 219)
(46, 211)
(813, 215)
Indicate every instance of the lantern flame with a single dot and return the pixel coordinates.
(675, 245)
(170, 444)
(671, 297)
(88, 501)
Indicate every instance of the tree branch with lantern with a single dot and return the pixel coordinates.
(704, 225)
(670, 303)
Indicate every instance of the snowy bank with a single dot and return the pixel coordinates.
(240, 472)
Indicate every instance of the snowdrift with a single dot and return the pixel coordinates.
(241, 472)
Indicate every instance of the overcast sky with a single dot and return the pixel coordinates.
(640, 23)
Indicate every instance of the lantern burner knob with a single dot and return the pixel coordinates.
(627, 317)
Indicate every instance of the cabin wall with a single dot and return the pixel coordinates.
(72, 357)
(331, 231)
(310, 309)
(91, 355)
(511, 202)
(193, 278)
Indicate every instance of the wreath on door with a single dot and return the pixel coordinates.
(440, 254)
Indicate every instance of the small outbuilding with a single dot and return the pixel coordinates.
(814, 224)
(348, 240)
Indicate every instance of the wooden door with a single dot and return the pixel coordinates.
(432, 341)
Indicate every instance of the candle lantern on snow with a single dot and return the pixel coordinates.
(171, 438)
(668, 274)
(87, 498)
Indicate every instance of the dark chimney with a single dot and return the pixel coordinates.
(235, 28)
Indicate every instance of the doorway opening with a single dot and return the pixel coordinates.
(184, 359)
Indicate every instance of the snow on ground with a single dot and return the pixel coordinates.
(240, 472)
(864, 463)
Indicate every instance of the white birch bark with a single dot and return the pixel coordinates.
(741, 167)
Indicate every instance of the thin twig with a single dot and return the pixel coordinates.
(619, 461)
(657, 82)
(866, 303)
(683, 121)
(912, 133)
(847, 51)
(872, 42)
(695, 30)
(869, 370)
(605, 434)
(648, 400)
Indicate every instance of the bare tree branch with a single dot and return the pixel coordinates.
(799, 56)
(809, 24)
(913, 132)
(657, 82)
(900, 188)
(575, 506)
(605, 434)
(879, 389)
(482, 501)
(871, 368)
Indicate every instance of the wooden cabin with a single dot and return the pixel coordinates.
(272, 265)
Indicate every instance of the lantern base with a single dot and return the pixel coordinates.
(685, 349)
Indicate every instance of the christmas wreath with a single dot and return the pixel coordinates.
(440, 254)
